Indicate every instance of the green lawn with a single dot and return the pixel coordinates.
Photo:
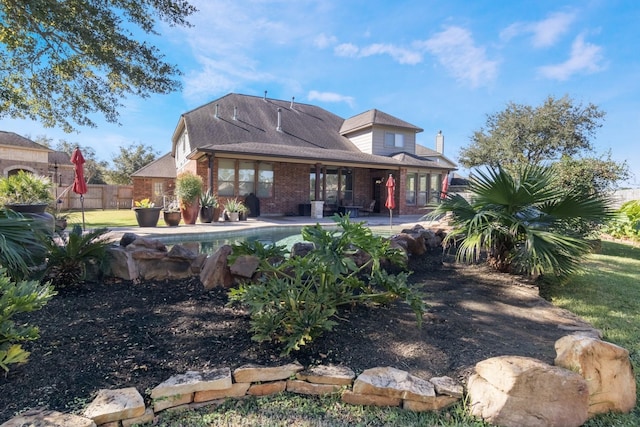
(100, 218)
(607, 294)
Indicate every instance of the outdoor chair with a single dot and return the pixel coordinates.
(366, 211)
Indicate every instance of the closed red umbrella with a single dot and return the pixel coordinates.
(445, 186)
(390, 203)
(79, 184)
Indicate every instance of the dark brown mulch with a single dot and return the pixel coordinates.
(119, 334)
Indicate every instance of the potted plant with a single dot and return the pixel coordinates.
(30, 195)
(209, 207)
(147, 214)
(26, 192)
(232, 208)
(171, 214)
(188, 191)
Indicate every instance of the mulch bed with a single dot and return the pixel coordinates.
(119, 334)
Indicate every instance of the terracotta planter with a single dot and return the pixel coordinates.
(147, 217)
(190, 213)
(172, 219)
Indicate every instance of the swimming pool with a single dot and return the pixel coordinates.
(210, 242)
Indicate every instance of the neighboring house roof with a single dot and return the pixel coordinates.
(162, 167)
(262, 127)
(374, 117)
(14, 140)
(60, 158)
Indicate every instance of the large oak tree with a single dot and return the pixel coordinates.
(63, 61)
(522, 134)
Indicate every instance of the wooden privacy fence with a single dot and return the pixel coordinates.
(98, 196)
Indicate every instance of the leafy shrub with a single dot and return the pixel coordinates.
(68, 262)
(18, 297)
(21, 246)
(626, 224)
(295, 301)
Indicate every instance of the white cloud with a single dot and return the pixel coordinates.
(323, 41)
(399, 54)
(346, 49)
(314, 95)
(457, 52)
(585, 57)
(544, 33)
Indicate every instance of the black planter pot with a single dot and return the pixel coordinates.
(147, 217)
(37, 213)
(172, 219)
(206, 214)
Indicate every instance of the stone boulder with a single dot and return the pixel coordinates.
(515, 391)
(607, 369)
(215, 271)
(300, 249)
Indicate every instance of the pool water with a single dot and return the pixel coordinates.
(209, 243)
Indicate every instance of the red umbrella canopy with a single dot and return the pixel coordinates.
(391, 189)
(79, 185)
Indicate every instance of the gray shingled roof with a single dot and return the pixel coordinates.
(248, 125)
(319, 154)
(15, 140)
(59, 157)
(374, 117)
(302, 127)
(425, 152)
(162, 167)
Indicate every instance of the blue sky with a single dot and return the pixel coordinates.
(440, 65)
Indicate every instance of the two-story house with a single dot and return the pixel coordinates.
(289, 154)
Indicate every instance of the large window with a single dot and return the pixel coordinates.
(226, 177)
(252, 177)
(423, 189)
(436, 185)
(246, 178)
(336, 185)
(393, 140)
(410, 197)
(265, 180)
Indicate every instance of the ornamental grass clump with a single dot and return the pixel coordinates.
(297, 299)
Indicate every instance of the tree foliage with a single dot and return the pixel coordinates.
(520, 221)
(62, 61)
(522, 134)
(129, 160)
(94, 170)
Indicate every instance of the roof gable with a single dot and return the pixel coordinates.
(374, 117)
(162, 167)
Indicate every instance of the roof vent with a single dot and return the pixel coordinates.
(279, 127)
(293, 99)
(216, 113)
(235, 113)
(265, 95)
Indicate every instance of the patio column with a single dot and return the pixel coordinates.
(316, 190)
(210, 166)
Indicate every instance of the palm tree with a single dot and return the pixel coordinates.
(520, 221)
(20, 244)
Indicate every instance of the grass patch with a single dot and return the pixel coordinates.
(104, 218)
(292, 410)
(607, 295)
